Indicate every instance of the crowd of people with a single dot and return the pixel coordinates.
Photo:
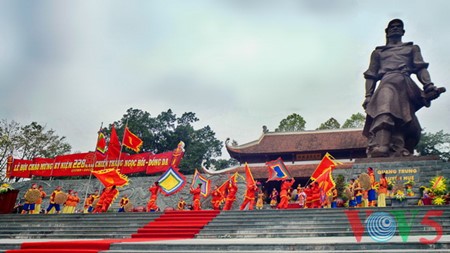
(363, 191)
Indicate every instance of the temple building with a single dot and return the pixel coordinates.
(300, 151)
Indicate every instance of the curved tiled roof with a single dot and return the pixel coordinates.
(305, 141)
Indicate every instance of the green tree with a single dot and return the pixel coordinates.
(332, 123)
(220, 164)
(36, 141)
(357, 120)
(435, 144)
(292, 123)
(28, 142)
(163, 133)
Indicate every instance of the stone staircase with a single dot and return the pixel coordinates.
(313, 222)
(402, 229)
(73, 226)
(15, 228)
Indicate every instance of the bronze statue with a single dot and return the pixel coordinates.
(391, 125)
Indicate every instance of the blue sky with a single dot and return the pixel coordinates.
(239, 65)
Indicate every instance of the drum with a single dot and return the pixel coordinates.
(128, 207)
(60, 198)
(32, 196)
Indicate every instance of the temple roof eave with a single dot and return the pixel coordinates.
(301, 142)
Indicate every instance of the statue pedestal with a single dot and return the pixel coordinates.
(7, 201)
(419, 169)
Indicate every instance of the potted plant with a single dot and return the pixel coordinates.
(8, 196)
(399, 198)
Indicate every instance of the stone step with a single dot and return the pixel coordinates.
(298, 234)
(287, 224)
(69, 227)
(82, 235)
(73, 224)
(287, 251)
(320, 244)
(85, 231)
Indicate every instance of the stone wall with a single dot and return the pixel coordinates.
(419, 169)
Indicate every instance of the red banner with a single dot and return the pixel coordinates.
(20, 168)
(159, 162)
(81, 164)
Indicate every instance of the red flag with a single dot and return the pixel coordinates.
(327, 162)
(101, 143)
(223, 188)
(131, 141)
(248, 176)
(110, 177)
(114, 146)
(325, 180)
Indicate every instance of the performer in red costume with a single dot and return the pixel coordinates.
(249, 198)
(154, 190)
(284, 193)
(315, 195)
(231, 195)
(110, 194)
(216, 198)
(196, 195)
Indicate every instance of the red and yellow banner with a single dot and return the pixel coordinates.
(81, 164)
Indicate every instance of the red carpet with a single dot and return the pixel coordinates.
(79, 246)
(293, 206)
(169, 226)
(176, 225)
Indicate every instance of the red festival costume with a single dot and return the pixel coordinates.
(315, 195)
(249, 198)
(151, 205)
(196, 198)
(216, 199)
(231, 196)
(284, 194)
(110, 196)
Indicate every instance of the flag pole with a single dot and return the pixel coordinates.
(121, 144)
(93, 166)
